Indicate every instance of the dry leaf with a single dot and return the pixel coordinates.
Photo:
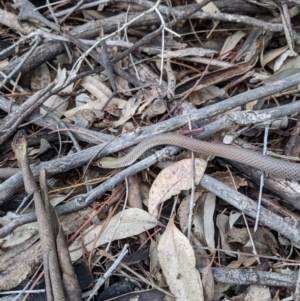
(279, 63)
(203, 223)
(172, 180)
(273, 54)
(128, 111)
(133, 221)
(56, 104)
(230, 43)
(157, 108)
(257, 292)
(184, 209)
(223, 225)
(40, 77)
(208, 283)
(177, 260)
(233, 217)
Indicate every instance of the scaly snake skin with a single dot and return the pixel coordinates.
(270, 165)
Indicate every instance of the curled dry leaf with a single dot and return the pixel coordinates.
(133, 221)
(230, 43)
(172, 180)
(177, 260)
(203, 224)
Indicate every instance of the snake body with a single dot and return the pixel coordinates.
(270, 165)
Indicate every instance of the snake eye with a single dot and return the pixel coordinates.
(100, 164)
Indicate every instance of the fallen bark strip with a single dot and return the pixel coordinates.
(253, 277)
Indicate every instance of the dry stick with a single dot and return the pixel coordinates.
(36, 101)
(149, 37)
(107, 65)
(54, 286)
(89, 30)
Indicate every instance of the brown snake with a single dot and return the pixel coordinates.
(270, 165)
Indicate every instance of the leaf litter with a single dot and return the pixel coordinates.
(109, 76)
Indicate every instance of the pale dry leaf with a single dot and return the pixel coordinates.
(82, 99)
(184, 209)
(203, 222)
(240, 235)
(150, 95)
(79, 120)
(128, 111)
(56, 104)
(95, 106)
(88, 115)
(123, 86)
(257, 292)
(284, 241)
(3, 64)
(233, 217)
(250, 105)
(40, 77)
(242, 261)
(201, 96)
(280, 61)
(44, 146)
(291, 62)
(265, 242)
(273, 54)
(157, 108)
(249, 261)
(230, 43)
(208, 219)
(133, 222)
(172, 180)
(223, 225)
(60, 80)
(208, 283)
(177, 260)
(95, 86)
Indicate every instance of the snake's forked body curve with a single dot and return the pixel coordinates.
(270, 165)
